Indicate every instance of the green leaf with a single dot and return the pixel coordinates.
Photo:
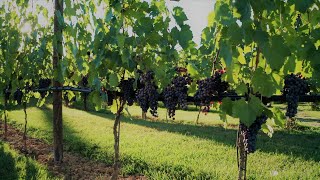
(114, 107)
(226, 52)
(222, 13)
(276, 52)
(263, 83)
(41, 102)
(241, 89)
(247, 111)
(113, 80)
(267, 129)
(279, 117)
(235, 34)
(179, 15)
(261, 37)
(193, 70)
(185, 36)
(243, 7)
(207, 35)
(303, 6)
(241, 58)
(223, 117)
(109, 16)
(290, 65)
(226, 106)
(36, 95)
(96, 99)
(120, 40)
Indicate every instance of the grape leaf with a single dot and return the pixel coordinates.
(185, 36)
(276, 52)
(113, 80)
(227, 106)
(247, 111)
(243, 7)
(263, 83)
(179, 15)
(241, 89)
(114, 107)
(279, 117)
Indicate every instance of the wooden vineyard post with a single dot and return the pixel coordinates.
(57, 95)
(241, 156)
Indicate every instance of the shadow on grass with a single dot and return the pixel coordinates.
(304, 144)
(31, 170)
(8, 168)
(300, 144)
(74, 142)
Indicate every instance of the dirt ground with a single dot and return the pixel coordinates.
(73, 167)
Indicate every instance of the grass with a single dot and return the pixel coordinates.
(16, 166)
(181, 149)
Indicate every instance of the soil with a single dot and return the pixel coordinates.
(74, 166)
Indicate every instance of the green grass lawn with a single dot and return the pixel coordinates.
(16, 166)
(181, 149)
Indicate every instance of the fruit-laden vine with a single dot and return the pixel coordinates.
(176, 94)
(294, 86)
(147, 95)
(243, 35)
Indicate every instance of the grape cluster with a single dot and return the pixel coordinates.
(84, 81)
(147, 95)
(250, 134)
(294, 86)
(17, 96)
(298, 22)
(126, 87)
(176, 94)
(44, 83)
(209, 87)
(7, 92)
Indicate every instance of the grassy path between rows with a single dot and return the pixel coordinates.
(181, 150)
(16, 166)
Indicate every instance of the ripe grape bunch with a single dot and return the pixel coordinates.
(209, 87)
(126, 87)
(250, 134)
(17, 96)
(43, 84)
(176, 94)
(84, 81)
(7, 92)
(294, 86)
(147, 95)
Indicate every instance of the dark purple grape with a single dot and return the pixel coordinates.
(209, 87)
(147, 94)
(176, 94)
(17, 96)
(250, 134)
(126, 87)
(294, 86)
